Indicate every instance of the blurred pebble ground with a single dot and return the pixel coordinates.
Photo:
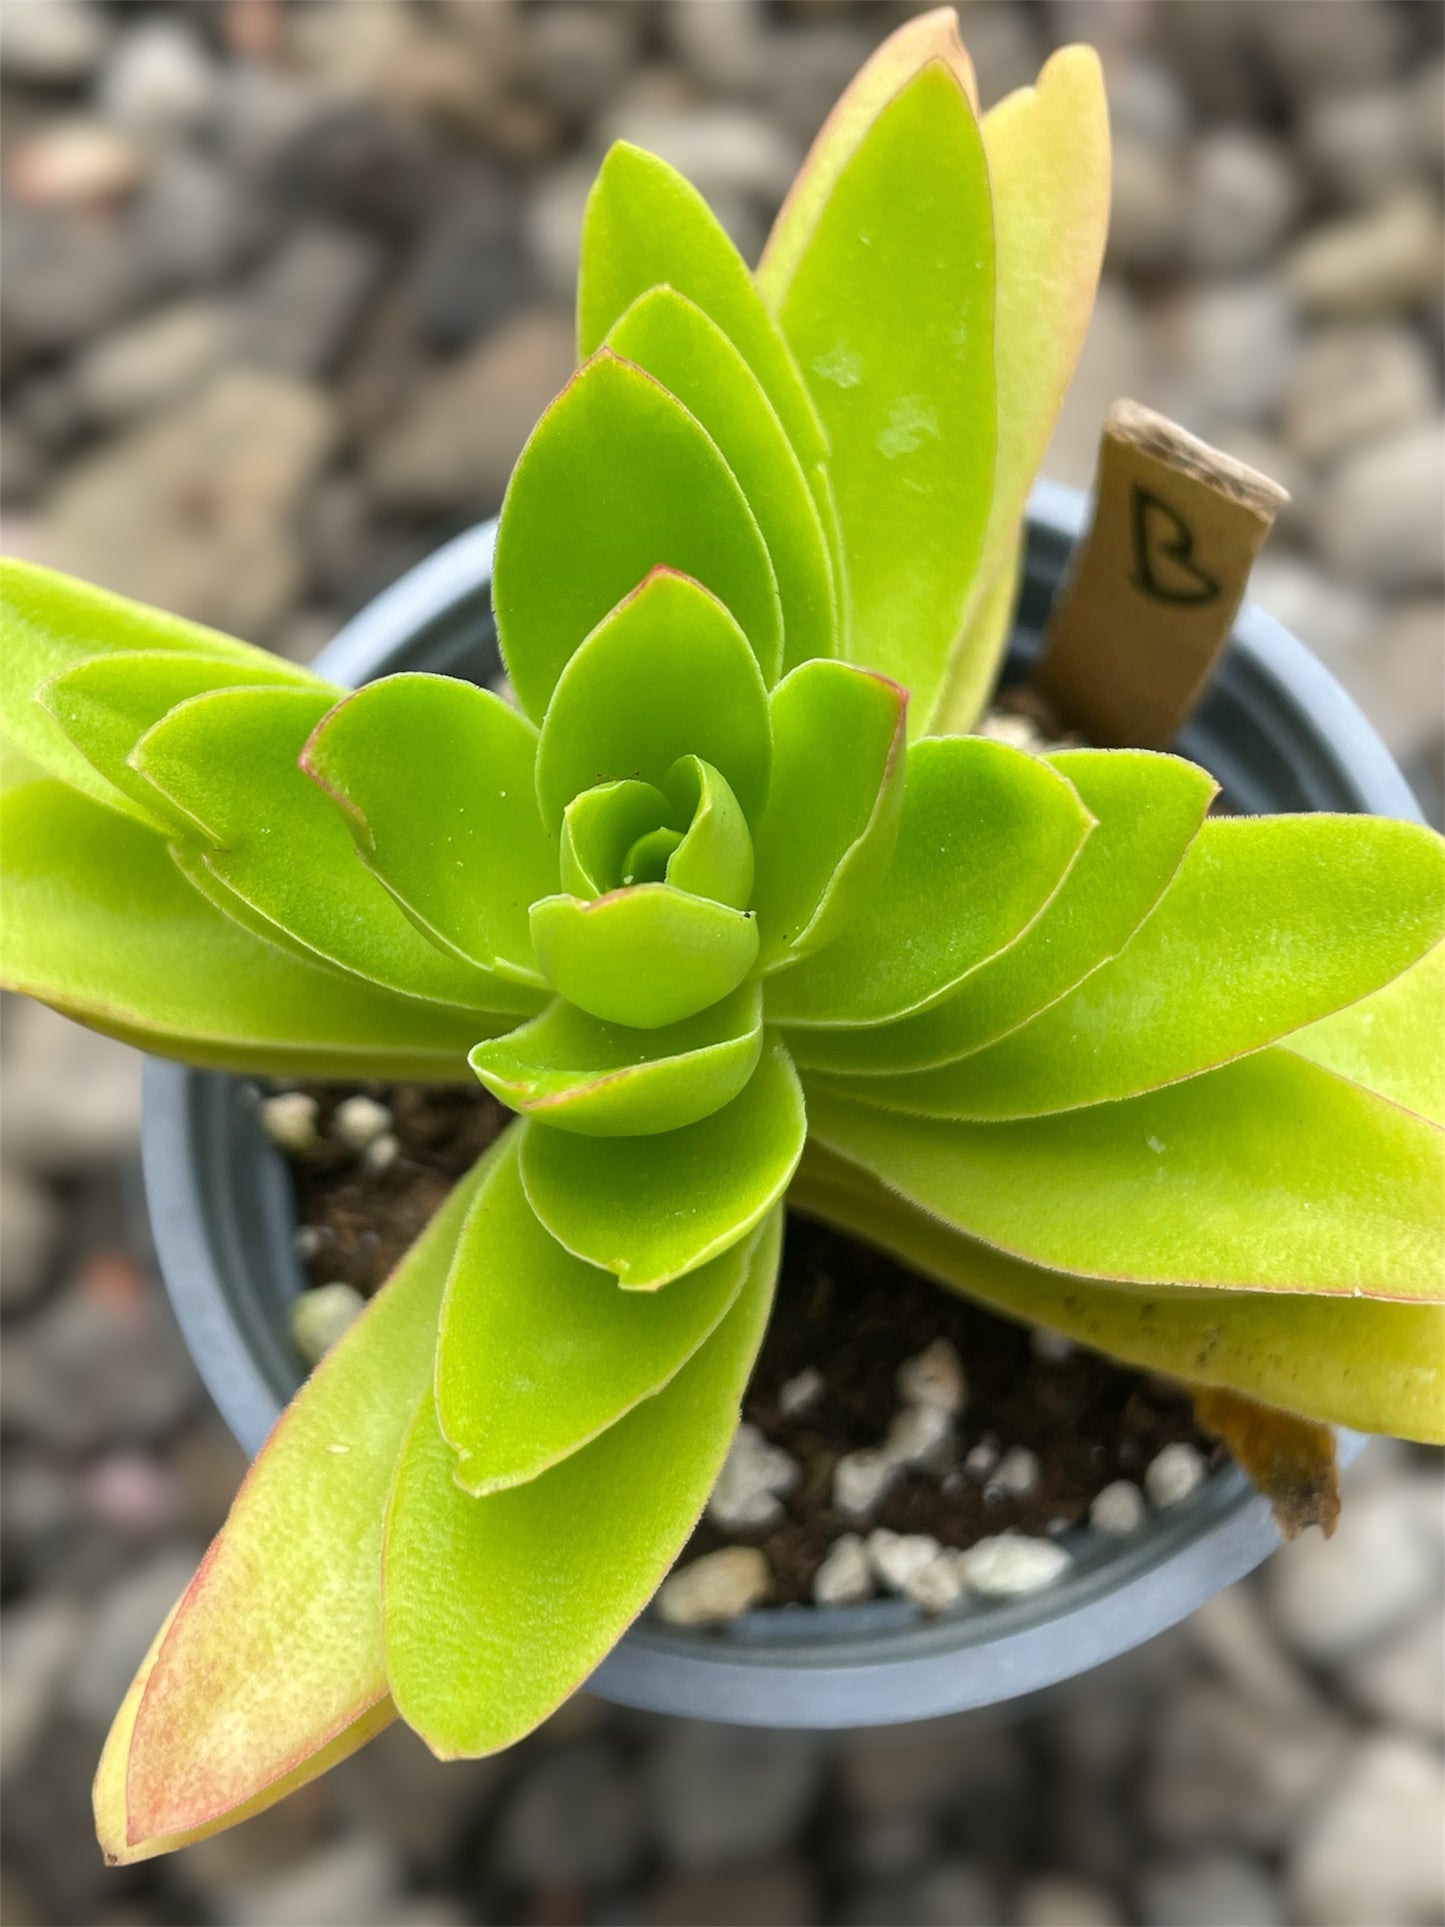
(282, 290)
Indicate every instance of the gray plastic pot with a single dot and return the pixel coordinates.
(1278, 732)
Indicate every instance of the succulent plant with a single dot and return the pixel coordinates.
(727, 907)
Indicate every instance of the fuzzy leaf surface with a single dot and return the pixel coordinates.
(1148, 809)
(1367, 1363)
(496, 1609)
(49, 622)
(619, 479)
(693, 359)
(651, 1210)
(644, 957)
(647, 227)
(434, 779)
(987, 835)
(1049, 174)
(276, 1648)
(99, 922)
(573, 1072)
(1267, 1175)
(538, 1352)
(890, 313)
(1390, 1042)
(1271, 923)
(667, 673)
(231, 762)
(836, 800)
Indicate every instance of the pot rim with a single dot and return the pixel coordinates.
(801, 1667)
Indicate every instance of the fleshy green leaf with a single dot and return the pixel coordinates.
(692, 358)
(575, 1073)
(539, 1353)
(890, 313)
(714, 856)
(619, 479)
(49, 622)
(600, 827)
(230, 762)
(1048, 170)
(647, 227)
(105, 704)
(831, 825)
(644, 957)
(497, 1609)
(99, 922)
(667, 673)
(1351, 1361)
(434, 780)
(1268, 1175)
(1392, 1042)
(652, 1209)
(277, 1646)
(1148, 808)
(987, 836)
(1270, 923)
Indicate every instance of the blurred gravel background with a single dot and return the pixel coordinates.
(284, 287)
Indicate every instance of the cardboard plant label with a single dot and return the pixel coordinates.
(1156, 583)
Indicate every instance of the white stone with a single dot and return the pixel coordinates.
(1370, 1852)
(382, 1152)
(359, 1122)
(30, 1227)
(1212, 1887)
(1010, 1565)
(799, 1394)
(1338, 1599)
(1017, 1472)
(159, 82)
(1331, 618)
(53, 42)
(1242, 198)
(1381, 262)
(934, 1377)
(980, 1459)
(1403, 1680)
(321, 1315)
(898, 1557)
(1234, 1633)
(936, 1587)
(355, 1878)
(1059, 1900)
(1051, 1348)
(1236, 341)
(43, 1639)
(1175, 1474)
(1360, 142)
(718, 1587)
(289, 1120)
(1382, 511)
(920, 1435)
(860, 1480)
(1118, 1510)
(845, 1577)
(72, 1097)
(753, 1474)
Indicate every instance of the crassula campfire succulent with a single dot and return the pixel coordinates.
(728, 907)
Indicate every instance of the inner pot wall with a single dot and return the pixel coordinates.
(1277, 731)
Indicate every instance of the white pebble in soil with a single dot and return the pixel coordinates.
(1016, 1475)
(359, 1121)
(716, 1588)
(798, 1395)
(898, 1557)
(381, 1153)
(1051, 1348)
(1011, 1565)
(934, 1377)
(320, 1316)
(860, 1480)
(981, 1459)
(309, 1240)
(289, 1120)
(1175, 1474)
(920, 1435)
(1118, 1510)
(845, 1577)
(753, 1475)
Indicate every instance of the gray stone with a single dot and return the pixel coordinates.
(1354, 383)
(552, 225)
(1402, 1681)
(582, 55)
(356, 1878)
(576, 1816)
(1336, 1600)
(159, 83)
(1236, 345)
(1231, 1629)
(1242, 197)
(958, 1894)
(934, 1767)
(425, 1807)
(1218, 1889)
(72, 1097)
(1370, 1851)
(754, 1476)
(458, 442)
(725, 49)
(1381, 262)
(125, 1621)
(153, 362)
(845, 1577)
(53, 43)
(195, 511)
(1147, 104)
(717, 1794)
(1349, 43)
(471, 272)
(1332, 618)
(1058, 1900)
(29, 1234)
(1360, 144)
(718, 1587)
(724, 151)
(66, 275)
(778, 1892)
(1397, 681)
(24, 469)
(300, 309)
(193, 225)
(1382, 511)
(40, 1642)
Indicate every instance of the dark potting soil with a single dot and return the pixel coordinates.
(847, 1310)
